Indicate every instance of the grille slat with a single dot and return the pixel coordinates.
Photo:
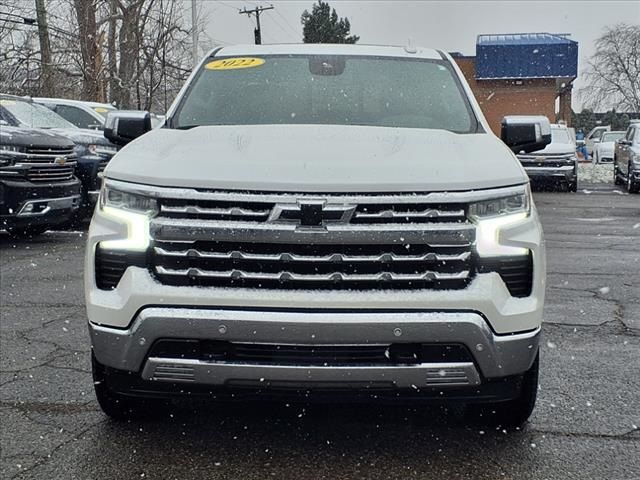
(51, 151)
(284, 276)
(333, 258)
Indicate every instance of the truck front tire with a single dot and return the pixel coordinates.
(123, 407)
(514, 412)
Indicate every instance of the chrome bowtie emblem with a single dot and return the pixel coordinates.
(60, 160)
(311, 213)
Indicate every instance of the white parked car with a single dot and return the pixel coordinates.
(82, 114)
(603, 148)
(594, 136)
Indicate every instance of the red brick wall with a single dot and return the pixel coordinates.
(498, 98)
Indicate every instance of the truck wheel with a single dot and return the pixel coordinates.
(632, 187)
(616, 174)
(26, 232)
(511, 413)
(572, 186)
(123, 407)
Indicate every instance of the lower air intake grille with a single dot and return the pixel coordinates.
(274, 354)
(111, 265)
(516, 273)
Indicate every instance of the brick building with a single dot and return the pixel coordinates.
(522, 74)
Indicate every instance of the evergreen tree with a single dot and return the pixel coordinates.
(323, 25)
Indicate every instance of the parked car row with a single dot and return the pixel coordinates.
(52, 152)
(557, 163)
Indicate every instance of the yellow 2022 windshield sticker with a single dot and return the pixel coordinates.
(234, 63)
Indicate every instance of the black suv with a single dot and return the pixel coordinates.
(92, 150)
(38, 189)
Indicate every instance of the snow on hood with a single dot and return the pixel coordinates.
(317, 158)
(556, 149)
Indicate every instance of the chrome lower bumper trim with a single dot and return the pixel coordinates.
(357, 376)
(564, 168)
(49, 204)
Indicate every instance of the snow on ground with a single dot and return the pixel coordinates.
(590, 173)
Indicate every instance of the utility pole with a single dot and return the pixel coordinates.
(45, 51)
(257, 11)
(194, 33)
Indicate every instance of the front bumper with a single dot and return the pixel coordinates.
(494, 356)
(24, 203)
(566, 173)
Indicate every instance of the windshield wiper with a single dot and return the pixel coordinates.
(186, 127)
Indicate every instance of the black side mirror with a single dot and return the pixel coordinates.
(525, 133)
(125, 125)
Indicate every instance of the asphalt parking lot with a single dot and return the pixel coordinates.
(585, 426)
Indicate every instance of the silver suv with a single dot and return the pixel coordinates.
(318, 220)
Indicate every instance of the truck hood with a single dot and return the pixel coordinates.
(323, 158)
(83, 136)
(32, 137)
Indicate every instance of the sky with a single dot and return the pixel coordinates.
(447, 25)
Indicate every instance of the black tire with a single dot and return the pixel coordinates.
(511, 413)
(123, 407)
(572, 187)
(26, 232)
(616, 175)
(632, 187)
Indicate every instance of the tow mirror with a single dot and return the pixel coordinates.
(123, 126)
(525, 133)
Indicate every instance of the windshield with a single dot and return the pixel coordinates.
(560, 135)
(34, 115)
(612, 136)
(331, 90)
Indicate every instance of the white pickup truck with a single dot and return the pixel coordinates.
(318, 221)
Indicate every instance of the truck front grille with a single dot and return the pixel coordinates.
(51, 173)
(316, 266)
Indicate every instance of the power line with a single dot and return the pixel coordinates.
(279, 25)
(33, 23)
(295, 32)
(256, 11)
(227, 5)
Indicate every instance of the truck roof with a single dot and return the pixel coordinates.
(329, 49)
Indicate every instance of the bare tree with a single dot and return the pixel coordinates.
(135, 53)
(91, 58)
(45, 49)
(613, 72)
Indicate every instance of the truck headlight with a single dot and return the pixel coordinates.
(494, 214)
(133, 210)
